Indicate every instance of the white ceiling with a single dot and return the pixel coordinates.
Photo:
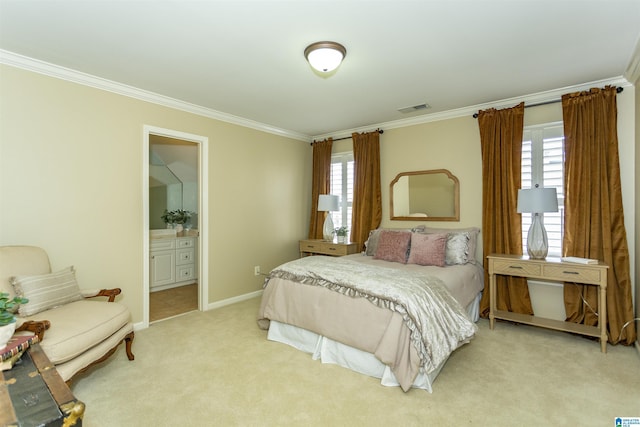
(245, 58)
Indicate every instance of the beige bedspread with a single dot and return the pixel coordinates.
(372, 318)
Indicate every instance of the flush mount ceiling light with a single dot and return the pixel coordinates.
(325, 56)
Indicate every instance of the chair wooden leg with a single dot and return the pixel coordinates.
(128, 340)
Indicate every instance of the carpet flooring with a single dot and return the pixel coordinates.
(217, 368)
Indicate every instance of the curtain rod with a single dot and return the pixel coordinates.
(348, 137)
(553, 101)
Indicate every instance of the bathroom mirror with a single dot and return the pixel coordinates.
(430, 195)
(173, 178)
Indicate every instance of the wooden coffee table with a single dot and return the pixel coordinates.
(33, 393)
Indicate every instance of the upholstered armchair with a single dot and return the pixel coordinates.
(77, 328)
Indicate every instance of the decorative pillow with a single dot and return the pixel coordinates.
(458, 250)
(393, 246)
(371, 245)
(427, 249)
(46, 291)
(461, 244)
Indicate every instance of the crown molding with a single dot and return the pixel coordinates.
(51, 70)
(535, 98)
(41, 67)
(632, 73)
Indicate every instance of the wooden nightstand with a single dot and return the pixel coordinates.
(322, 247)
(551, 269)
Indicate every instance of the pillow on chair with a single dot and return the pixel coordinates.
(46, 291)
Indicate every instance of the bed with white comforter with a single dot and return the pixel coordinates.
(391, 320)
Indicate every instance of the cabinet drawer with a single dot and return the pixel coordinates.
(327, 248)
(185, 272)
(185, 256)
(306, 246)
(516, 268)
(185, 242)
(572, 273)
(162, 244)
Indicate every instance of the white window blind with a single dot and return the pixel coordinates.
(342, 186)
(543, 164)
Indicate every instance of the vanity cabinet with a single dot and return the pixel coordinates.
(172, 262)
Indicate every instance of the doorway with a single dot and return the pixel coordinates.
(175, 266)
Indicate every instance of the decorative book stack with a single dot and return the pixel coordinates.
(12, 352)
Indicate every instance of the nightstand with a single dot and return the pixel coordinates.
(550, 269)
(322, 247)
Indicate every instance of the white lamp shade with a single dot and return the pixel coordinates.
(537, 200)
(327, 203)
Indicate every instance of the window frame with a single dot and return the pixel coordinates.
(538, 134)
(343, 216)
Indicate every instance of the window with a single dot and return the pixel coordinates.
(342, 186)
(543, 164)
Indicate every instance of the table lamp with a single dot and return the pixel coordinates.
(327, 203)
(536, 201)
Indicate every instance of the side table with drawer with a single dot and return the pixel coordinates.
(323, 247)
(550, 269)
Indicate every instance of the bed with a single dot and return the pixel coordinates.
(395, 312)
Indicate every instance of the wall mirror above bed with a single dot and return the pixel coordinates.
(430, 195)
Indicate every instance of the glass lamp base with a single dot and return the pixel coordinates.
(537, 244)
(327, 229)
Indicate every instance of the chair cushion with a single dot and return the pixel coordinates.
(69, 368)
(78, 326)
(46, 291)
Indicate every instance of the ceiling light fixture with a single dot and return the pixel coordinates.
(325, 56)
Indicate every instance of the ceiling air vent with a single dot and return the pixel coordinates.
(414, 108)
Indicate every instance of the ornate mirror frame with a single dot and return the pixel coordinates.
(439, 188)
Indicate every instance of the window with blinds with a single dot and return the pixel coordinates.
(543, 164)
(342, 186)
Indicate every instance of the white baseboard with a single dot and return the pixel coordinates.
(234, 300)
(218, 304)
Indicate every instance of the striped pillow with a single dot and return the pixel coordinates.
(46, 291)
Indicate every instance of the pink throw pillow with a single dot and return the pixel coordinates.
(393, 246)
(428, 249)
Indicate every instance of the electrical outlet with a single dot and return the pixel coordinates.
(256, 270)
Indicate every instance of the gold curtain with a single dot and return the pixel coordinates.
(367, 196)
(320, 184)
(594, 221)
(501, 140)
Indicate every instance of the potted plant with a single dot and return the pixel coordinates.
(181, 216)
(8, 308)
(168, 218)
(341, 232)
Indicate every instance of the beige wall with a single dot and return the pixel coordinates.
(71, 182)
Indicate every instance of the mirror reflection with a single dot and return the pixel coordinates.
(173, 178)
(430, 195)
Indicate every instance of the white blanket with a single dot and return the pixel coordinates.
(437, 322)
